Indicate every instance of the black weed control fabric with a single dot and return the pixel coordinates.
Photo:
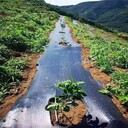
(60, 63)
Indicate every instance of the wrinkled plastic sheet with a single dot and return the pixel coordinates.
(60, 63)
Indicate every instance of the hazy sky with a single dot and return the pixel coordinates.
(66, 2)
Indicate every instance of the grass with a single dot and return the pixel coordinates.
(108, 52)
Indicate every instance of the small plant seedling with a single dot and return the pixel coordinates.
(63, 25)
(71, 92)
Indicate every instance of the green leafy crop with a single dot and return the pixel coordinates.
(109, 53)
(71, 92)
(120, 91)
(24, 27)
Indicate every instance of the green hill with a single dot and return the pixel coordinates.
(113, 13)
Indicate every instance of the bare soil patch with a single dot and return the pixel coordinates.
(20, 90)
(71, 118)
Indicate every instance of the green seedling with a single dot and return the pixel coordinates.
(63, 25)
(71, 92)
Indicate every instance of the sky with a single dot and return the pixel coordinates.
(66, 2)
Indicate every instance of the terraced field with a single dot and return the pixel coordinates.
(40, 48)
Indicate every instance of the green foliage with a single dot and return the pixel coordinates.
(14, 42)
(25, 31)
(124, 99)
(120, 91)
(5, 54)
(25, 26)
(3, 91)
(9, 77)
(19, 63)
(71, 91)
(10, 74)
(120, 78)
(106, 92)
(108, 54)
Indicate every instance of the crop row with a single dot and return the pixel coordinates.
(107, 52)
(25, 27)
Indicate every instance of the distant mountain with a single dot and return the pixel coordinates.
(113, 13)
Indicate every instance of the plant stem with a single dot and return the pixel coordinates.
(56, 112)
(67, 118)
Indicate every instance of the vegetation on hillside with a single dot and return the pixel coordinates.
(112, 13)
(25, 26)
(108, 52)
